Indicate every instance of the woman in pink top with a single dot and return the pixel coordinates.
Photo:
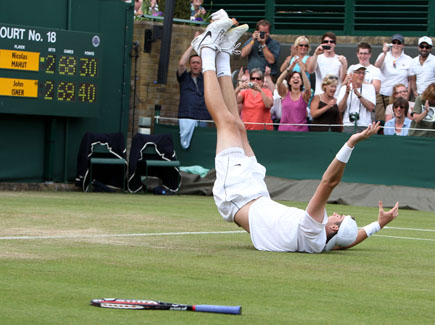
(294, 98)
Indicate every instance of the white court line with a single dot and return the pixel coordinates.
(414, 229)
(400, 237)
(124, 235)
(188, 233)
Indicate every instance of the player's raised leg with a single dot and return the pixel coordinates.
(228, 134)
(228, 46)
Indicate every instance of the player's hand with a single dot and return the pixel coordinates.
(357, 137)
(385, 217)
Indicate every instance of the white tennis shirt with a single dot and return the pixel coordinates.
(279, 228)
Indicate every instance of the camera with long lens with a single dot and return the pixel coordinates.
(262, 34)
(353, 117)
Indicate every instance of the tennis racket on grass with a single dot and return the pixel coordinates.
(159, 305)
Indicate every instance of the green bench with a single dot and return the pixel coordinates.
(102, 149)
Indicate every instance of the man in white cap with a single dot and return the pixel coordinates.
(240, 192)
(357, 100)
(394, 65)
(422, 69)
(373, 74)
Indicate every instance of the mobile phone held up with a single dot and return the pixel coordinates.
(326, 47)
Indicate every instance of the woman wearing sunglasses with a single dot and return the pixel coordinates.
(256, 101)
(295, 95)
(399, 90)
(399, 124)
(299, 49)
(394, 65)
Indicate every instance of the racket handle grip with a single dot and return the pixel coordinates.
(235, 310)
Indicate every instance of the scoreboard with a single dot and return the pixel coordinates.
(46, 71)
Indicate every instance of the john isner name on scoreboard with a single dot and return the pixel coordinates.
(17, 92)
(18, 87)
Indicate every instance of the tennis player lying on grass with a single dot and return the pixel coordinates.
(240, 192)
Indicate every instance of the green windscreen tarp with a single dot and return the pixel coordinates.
(384, 160)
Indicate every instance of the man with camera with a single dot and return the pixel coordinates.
(357, 100)
(262, 50)
(325, 61)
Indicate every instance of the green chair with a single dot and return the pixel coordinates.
(102, 155)
(151, 150)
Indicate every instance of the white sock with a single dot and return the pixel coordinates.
(223, 67)
(208, 57)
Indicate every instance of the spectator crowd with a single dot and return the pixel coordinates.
(397, 90)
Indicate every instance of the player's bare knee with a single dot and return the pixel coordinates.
(230, 121)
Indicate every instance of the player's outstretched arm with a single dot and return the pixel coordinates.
(384, 218)
(333, 174)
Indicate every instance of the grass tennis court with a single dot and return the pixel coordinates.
(59, 250)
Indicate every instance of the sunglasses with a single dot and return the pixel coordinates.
(402, 107)
(427, 47)
(256, 78)
(326, 41)
(396, 42)
(333, 77)
(303, 45)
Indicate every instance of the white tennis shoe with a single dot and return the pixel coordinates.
(218, 15)
(228, 43)
(212, 36)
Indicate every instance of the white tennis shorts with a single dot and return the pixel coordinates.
(239, 180)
